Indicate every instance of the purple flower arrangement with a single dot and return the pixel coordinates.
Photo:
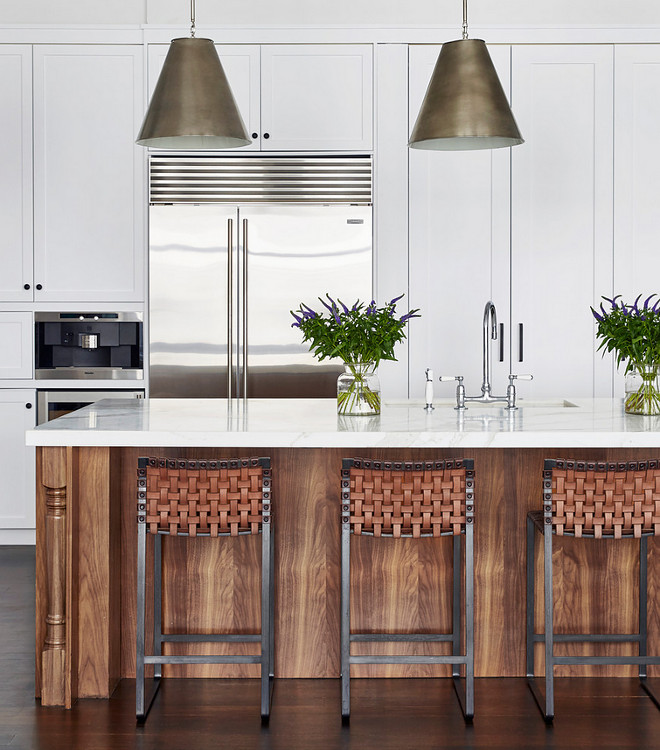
(360, 333)
(632, 331)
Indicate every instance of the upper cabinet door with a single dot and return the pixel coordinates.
(241, 65)
(636, 170)
(16, 172)
(316, 97)
(459, 248)
(562, 192)
(89, 174)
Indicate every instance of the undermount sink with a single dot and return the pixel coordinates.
(550, 404)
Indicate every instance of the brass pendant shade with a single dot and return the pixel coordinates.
(192, 106)
(465, 107)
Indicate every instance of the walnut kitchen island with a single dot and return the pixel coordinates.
(86, 535)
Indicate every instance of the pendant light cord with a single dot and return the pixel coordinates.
(465, 23)
(192, 18)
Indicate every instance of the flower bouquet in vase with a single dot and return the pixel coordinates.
(633, 332)
(361, 336)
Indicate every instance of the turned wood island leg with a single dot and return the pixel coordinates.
(53, 652)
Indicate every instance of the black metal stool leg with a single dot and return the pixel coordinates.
(345, 620)
(549, 628)
(456, 604)
(529, 643)
(469, 621)
(142, 702)
(266, 616)
(643, 616)
(158, 606)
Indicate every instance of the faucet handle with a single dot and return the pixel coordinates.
(511, 390)
(460, 390)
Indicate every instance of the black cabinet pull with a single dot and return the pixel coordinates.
(26, 286)
(266, 135)
(39, 286)
(255, 135)
(28, 405)
(501, 342)
(520, 342)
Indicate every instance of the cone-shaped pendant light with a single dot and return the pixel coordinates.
(192, 106)
(465, 107)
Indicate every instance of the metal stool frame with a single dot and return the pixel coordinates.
(542, 521)
(266, 636)
(456, 659)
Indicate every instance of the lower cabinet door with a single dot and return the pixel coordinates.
(17, 463)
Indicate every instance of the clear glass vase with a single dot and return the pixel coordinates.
(643, 390)
(358, 390)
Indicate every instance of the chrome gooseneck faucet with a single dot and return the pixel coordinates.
(490, 316)
(489, 334)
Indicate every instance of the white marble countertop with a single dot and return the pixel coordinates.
(314, 423)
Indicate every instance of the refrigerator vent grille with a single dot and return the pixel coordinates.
(281, 179)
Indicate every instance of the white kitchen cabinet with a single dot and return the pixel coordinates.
(16, 173)
(88, 173)
(16, 345)
(17, 465)
(636, 174)
(459, 248)
(561, 209)
(303, 97)
(316, 97)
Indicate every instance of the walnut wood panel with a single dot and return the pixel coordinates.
(99, 509)
(398, 584)
(41, 574)
(71, 576)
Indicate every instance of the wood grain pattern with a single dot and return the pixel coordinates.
(72, 569)
(41, 573)
(99, 508)
(397, 586)
(53, 651)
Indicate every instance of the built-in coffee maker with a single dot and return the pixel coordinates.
(88, 346)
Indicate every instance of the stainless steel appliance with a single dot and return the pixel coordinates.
(235, 244)
(72, 345)
(53, 404)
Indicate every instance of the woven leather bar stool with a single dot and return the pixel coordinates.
(591, 500)
(212, 499)
(410, 499)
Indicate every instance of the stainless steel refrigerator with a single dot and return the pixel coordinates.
(235, 244)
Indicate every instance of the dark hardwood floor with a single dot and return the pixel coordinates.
(386, 714)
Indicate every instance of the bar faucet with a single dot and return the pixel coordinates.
(490, 316)
(489, 334)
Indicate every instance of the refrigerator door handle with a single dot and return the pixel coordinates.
(230, 303)
(245, 308)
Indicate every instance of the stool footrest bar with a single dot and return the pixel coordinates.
(210, 638)
(400, 637)
(204, 659)
(406, 659)
(594, 660)
(591, 637)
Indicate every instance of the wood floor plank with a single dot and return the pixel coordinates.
(387, 714)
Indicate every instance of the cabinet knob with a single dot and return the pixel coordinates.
(26, 286)
(39, 286)
(255, 135)
(266, 135)
(28, 405)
